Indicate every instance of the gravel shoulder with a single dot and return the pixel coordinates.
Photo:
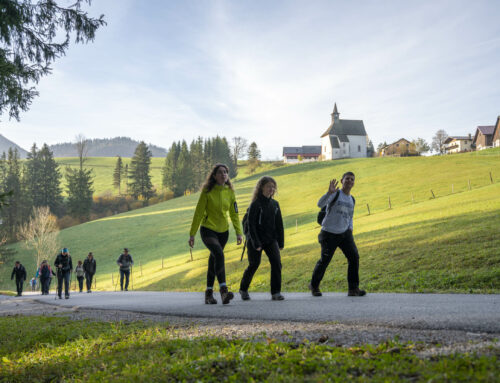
(429, 342)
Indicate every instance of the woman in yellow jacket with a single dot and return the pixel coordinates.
(216, 199)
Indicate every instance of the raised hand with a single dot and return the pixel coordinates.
(333, 186)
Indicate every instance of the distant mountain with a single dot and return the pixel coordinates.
(106, 147)
(5, 144)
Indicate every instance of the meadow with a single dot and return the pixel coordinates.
(439, 233)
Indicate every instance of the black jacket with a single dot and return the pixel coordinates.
(126, 261)
(19, 272)
(265, 223)
(89, 266)
(65, 262)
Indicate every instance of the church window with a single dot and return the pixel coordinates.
(359, 148)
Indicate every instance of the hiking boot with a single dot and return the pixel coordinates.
(244, 295)
(209, 297)
(226, 295)
(356, 293)
(60, 297)
(277, 297)
(66, 297)
(315, 291)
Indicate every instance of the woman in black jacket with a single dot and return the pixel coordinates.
(265, 232)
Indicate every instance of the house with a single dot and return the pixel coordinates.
(458, 144)
(496, 134)
(400, 148)
(484, 137)
(344, 138)
(294, 154)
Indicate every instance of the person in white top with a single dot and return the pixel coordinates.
(336, 231)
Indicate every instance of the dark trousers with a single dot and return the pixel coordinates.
(63, 276)
(88, 280)
(215, 242)
(19, 286)
(80, 283)
(126, 274)
(273, 253)
(45, 282)
(329, 243)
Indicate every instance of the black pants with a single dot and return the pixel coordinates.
(19, 286)
(88, 280)
(63, 276)
(329, 243)
(126, 274)
(215, 242)
(273, 253)
(45, 282)
(80, 283)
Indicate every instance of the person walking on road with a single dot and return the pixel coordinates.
(216, 200)
(64, 266)
(336, 231)
(79, 272)
(265, 232)
(125, 262)
(20, 273)
(89, 267)
(33, 284)
(45, 274)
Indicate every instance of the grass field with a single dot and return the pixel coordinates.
(56, 349)
(422, 244)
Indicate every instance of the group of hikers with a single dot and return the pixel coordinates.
(262, 226)
(64, 267)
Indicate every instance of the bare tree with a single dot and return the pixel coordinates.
(240, 146)
(82, 146)
(40, 233)
(438, 141)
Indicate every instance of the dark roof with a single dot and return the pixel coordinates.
(451, 138)
(311, 150)
(343, 138)
(334, 141)
(346, 127)
(486, 129)
(395, 142)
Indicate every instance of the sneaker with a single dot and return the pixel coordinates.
(126, 289)
(356, 293)
(277, 297)
(209, 297)
(66, 297)
(315, 291)
(60, 297)
(244, 295)
(226, 295)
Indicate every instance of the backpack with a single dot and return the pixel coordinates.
(322, 212)
(244, 222)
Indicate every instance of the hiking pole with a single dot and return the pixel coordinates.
(191, 251)
(132, 276)
(243, 252)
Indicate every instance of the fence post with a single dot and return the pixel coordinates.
(451, 188)
(95, 283)
(368, 206)
(296, 226)
(433, 196)
(390, 205)
(412, 198)
(112, 280)
(469, 185)
(491, 178)
(162, 261)
(140, 266)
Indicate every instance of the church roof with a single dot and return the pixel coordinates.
(343, 137)
(346, 127)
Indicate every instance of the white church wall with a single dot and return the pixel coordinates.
(357, 146)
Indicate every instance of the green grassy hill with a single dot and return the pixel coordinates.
(442, 244)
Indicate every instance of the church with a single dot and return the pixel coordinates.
(344, 138)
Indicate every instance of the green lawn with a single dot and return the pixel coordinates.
(445, 244)
(46, 349)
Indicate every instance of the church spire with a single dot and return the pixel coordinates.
(335, 114)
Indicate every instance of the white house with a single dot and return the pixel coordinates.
(344, 138)
(458, 144)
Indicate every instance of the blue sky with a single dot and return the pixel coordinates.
(270, 71)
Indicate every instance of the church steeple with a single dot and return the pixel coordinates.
(335, 114)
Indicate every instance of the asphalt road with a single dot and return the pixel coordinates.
(475, 313)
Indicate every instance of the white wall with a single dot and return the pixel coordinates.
(354, 142)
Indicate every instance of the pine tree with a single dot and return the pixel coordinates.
(197, 163)
(253, 157)
(117, 174)
(125, 176)
(80, 192)
(184, 174)
(140, 184)
(12, 213)
(169, 170)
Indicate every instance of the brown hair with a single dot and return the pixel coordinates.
(210, 180)
(260, 185)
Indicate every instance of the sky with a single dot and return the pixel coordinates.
(271, 71)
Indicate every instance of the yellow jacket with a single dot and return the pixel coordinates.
(211, 211)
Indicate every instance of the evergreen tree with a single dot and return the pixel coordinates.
(80, 192)
(125, 176)
(140, 184)
(117, 174)
(169, 170)
(184, 174)
(12, 213)
(253, 157)
(43, 179)
(197, 163)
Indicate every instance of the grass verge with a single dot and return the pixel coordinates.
(57, 349)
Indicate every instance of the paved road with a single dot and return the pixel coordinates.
(476, 313)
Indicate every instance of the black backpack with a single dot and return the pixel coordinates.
(322, 212)
(244, 222)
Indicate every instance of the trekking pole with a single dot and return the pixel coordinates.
(191, 251)
(243, 252)
(132, 276)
